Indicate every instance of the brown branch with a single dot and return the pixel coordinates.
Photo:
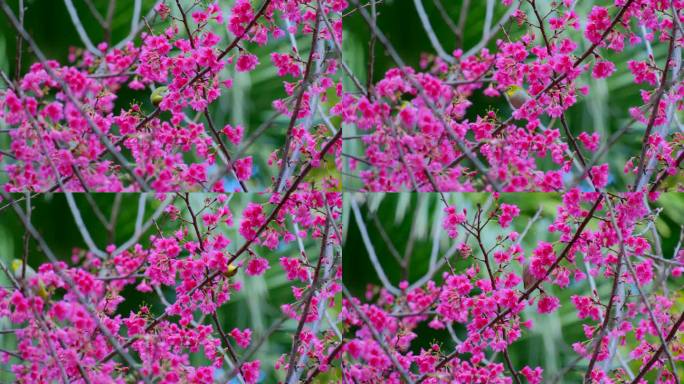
(533, 287)
(564, 124)
(118, 348)
(656, 355)
(157, 110)
(214, 315)
(591, 49)
(421, 92)
(371, 52)
(207, 116)
(274, 327)
(579, 60)
(287, 194)
(492, 279)
(20, 48)
(330, 357)
(664, 174)
(654, 112)
(246, 245)
(376, 336)
(302, 320)
(607, 317)
(186, 198)
(67, 91)
(306, 81)
(41, 141)
(225, 341)
(27, 237)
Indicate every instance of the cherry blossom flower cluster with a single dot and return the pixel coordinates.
(66, 313)
(69, 132)
(483, 309)
(417, 129)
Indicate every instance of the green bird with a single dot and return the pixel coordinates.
(231, 271)
(30, 273)
(158, 95)
(516, 96)
(328, 169)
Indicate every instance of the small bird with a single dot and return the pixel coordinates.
(30, 273)
(516, 96)
(158, 95)
(231, 271)
(528, 278)
(327, 170)
(331, 52)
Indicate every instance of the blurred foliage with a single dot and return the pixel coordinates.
(604, 110)
(256, 306)
(248, 102)
(409, 220)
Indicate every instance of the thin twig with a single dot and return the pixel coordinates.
(73, 14)
(376, 335)
(118, 348)
(421, 92)
(611, 302)
(20, 41)
(654, 112)
(304, 85)
(246, 245)
(427, 26)
(532, 288)
(305, 313)
(656, 355)
(361, 225)
(67, 91)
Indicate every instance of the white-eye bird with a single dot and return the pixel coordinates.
(327, 170)
(158, 95)
(231, 271)
(516, 96)
(30, 274)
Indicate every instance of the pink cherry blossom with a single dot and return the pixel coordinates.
(257, 266)
(72, 316)
(478, 305)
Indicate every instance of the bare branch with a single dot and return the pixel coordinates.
(73, 14)
(314, 283)
(421, 92)
(82, 228)
(656, 355)
(427, 26)
(370, 249)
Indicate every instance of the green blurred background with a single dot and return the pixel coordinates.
(410, 221)
(248, 102)
(256, 306)
(604, 110)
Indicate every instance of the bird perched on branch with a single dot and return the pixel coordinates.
(17, 267)
(528, 278)
(158, 95)
(231, 271)
(326, 171)
(516, 96)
